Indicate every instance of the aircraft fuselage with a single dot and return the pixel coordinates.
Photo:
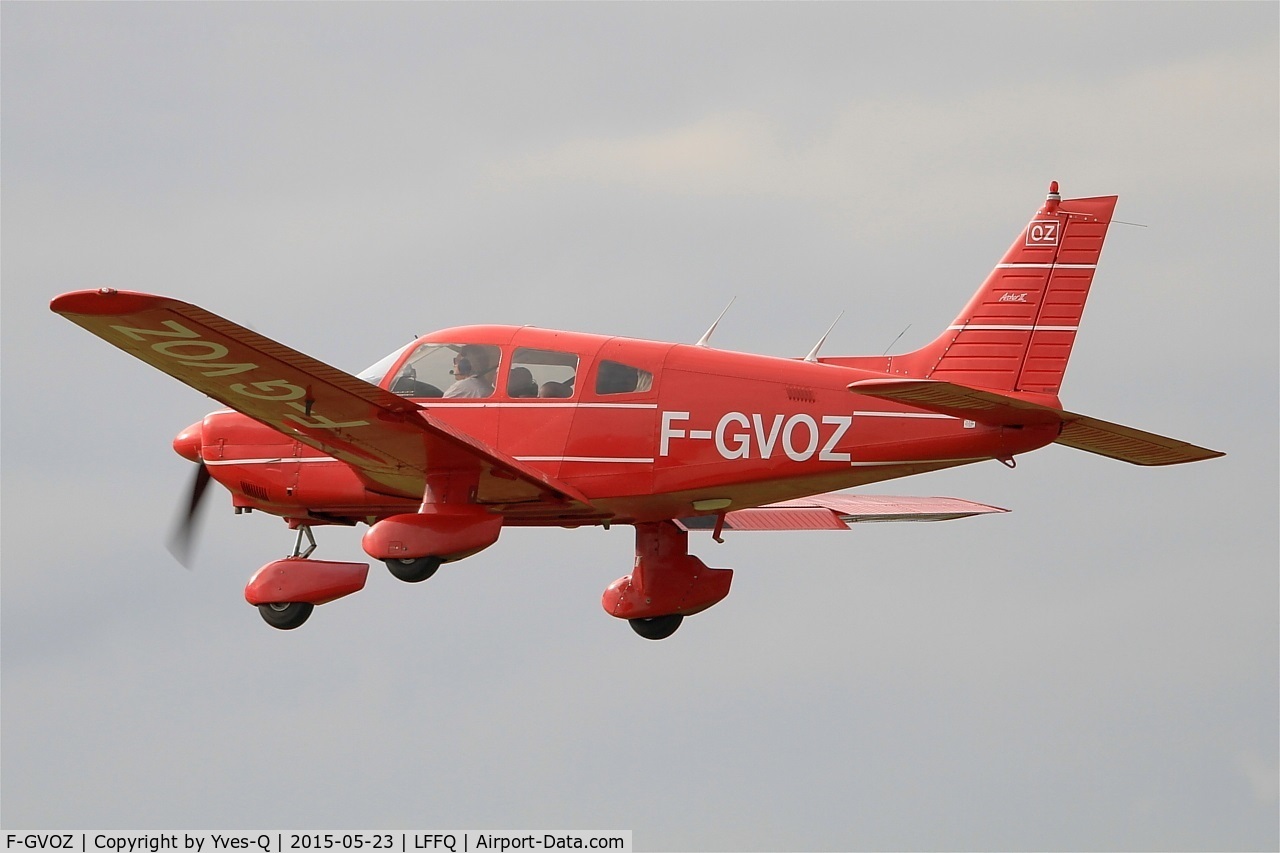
(711, 429)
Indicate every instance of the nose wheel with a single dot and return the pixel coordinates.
(286, 615)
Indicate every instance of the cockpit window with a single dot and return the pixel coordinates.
(542, 373)
(616, 378)
(448, 370)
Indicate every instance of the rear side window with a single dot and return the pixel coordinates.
(616, 378)
(542, 373)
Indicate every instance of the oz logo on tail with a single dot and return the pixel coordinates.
(1043, 232)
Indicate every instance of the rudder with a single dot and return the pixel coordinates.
(1017, 331)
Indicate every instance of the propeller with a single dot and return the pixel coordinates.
(185, 527)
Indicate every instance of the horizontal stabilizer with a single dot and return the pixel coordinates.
(960, 401)
(838, 510)
(1128, 444)
(994, 409)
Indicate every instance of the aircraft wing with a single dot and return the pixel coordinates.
(838, 510)
(1079, 431)
(391, 442)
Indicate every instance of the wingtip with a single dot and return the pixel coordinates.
(105, 301)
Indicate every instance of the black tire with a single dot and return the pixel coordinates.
(657, 627)
(414, 571)
(286, 615)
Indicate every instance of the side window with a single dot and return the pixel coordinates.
(448, 370)
(616, 378)
(542, 373)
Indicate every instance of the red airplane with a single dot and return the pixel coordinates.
(467, 431)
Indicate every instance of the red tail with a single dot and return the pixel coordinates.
(1017, 331)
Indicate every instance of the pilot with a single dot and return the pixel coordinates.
(520, 383)
(467, 381)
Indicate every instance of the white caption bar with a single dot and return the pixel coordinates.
(278, 841)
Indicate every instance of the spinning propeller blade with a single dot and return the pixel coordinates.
(184, 529)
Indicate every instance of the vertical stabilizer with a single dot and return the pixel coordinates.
(1017, 331)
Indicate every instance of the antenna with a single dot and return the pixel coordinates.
(895, 340)
(813, 353)
(702, 341)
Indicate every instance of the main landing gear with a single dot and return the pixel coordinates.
(414, 545)
(657, 627)
(287, 591)
(667, 584)
(414, 570)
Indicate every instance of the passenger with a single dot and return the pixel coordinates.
(520, 383)
(555, 389)
(467, 383)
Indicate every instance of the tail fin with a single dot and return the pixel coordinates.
(1017, 331)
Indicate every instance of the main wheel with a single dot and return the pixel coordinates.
(414, 571)
(285, 615)
(656, 627)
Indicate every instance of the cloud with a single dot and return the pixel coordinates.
(1263, 776)
(901, 156)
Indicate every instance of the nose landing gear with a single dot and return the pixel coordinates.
(286, 591)
(286, 617)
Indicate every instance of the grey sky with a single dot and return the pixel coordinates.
(1096, 670)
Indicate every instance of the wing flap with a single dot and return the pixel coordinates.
(839, 510)
(390, 441)
(1082, 432)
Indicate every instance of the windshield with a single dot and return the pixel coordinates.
(374, 373)
(448, 370)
